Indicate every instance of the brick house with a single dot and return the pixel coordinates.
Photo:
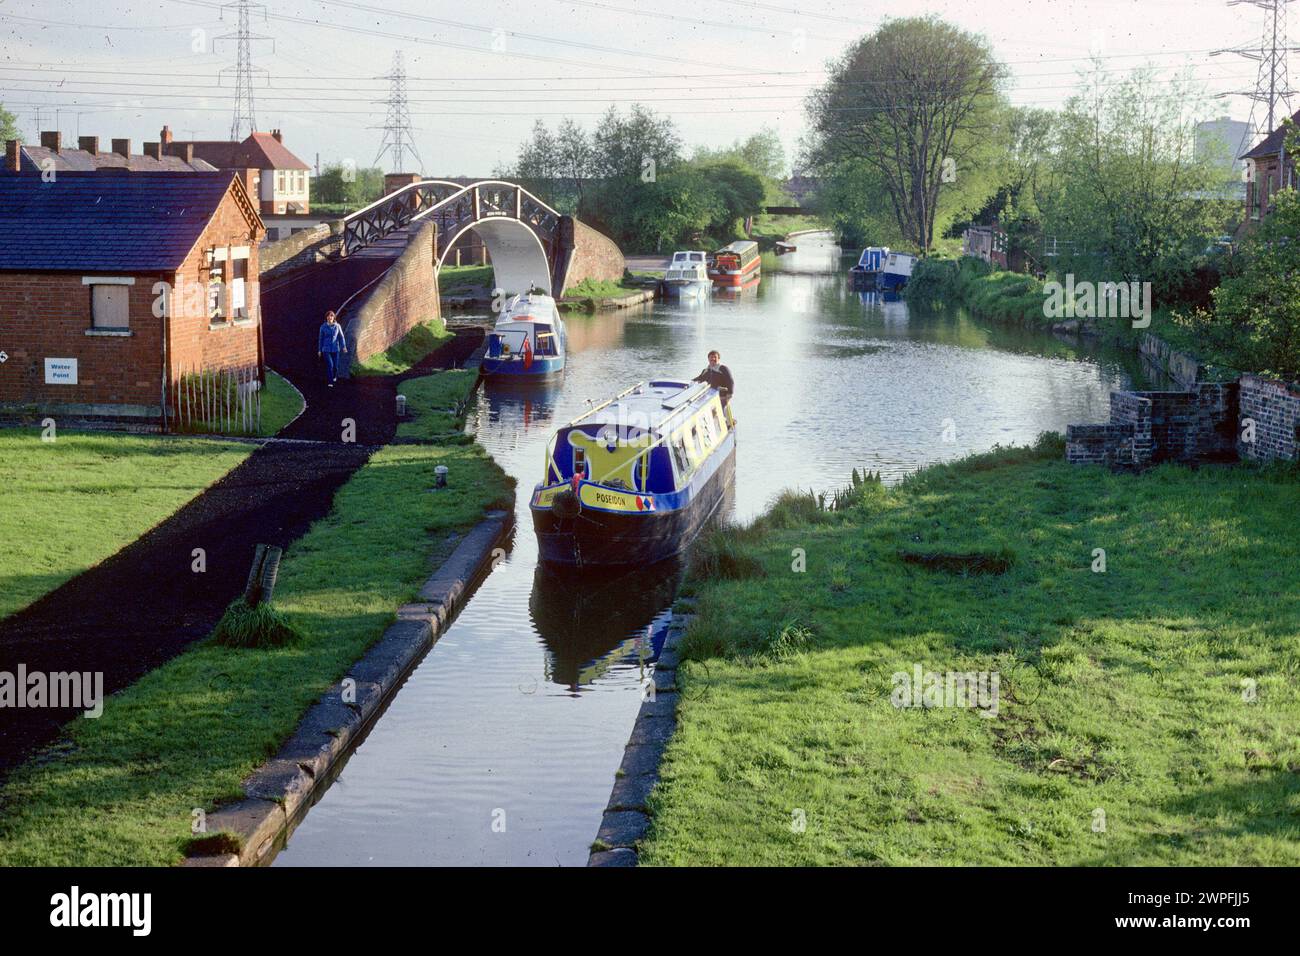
(52, 156)
(113, 286)
(1268, 169)
(276, 178)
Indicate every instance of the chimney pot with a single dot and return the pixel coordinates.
(51, 140)
(89, 143)
(278, 137)
(13, 156)
(122, 147)
(153, 150)
(166, 135)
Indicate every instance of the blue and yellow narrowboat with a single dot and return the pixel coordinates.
(634, 480)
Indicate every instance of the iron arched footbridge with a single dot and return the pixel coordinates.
(528, 241)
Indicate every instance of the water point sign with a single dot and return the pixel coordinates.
(60, 371)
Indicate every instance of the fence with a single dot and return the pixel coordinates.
(217, 401)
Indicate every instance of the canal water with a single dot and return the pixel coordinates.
(501, 746)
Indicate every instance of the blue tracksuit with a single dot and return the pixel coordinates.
(329, 342)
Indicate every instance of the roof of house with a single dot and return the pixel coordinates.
(38, 159)
(102, 222)
(1271, 143)
(259, 151)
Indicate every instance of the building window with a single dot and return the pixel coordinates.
(109, 307)
(238, 296)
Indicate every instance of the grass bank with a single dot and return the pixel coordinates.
(436, 405)
(121, 790)
(1148, 714)
(69, 504)
(405, 353)
(455, 280)
(1005, 296)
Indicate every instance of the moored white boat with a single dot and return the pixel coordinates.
(687, 275)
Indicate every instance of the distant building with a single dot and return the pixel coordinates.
(53, 157)
(986, 242)
(112, 287)
(1224, 140)
(276, 178)
(1268, 169)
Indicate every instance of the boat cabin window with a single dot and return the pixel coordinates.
(680, 457)
(698, 445)
(546, 343)
(579, 460)
(717, 424)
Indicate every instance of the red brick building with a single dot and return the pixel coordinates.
(278, 181)
(54, 156)
(1268, 170)
(112, 286)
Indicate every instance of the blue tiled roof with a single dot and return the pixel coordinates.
(105, 221)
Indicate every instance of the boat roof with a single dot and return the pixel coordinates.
(743, 245)
(526, 302)
(650, 405)
(688, 253)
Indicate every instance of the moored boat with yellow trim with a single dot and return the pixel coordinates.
(634, 479)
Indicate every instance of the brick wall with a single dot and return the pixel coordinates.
(303, 249)
(1274, 407)
(406, 295)
(594, 256)
(1183, 369)
(47, 315)
(195, 340)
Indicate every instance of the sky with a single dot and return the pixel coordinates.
(480, 73)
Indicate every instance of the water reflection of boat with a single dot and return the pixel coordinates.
(635, 479)
(592, 622)
(521, 398)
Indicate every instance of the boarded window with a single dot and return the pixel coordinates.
(108, 306)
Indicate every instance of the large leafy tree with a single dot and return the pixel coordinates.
(1130, 200)
(912, 107)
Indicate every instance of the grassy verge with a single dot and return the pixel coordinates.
(281, 404)
(67, 505)
(453, 280)
(437, 404)
(402, 355)
(120, 790)
(1005, 296)
(1148, 714)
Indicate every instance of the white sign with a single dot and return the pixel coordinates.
(60, 371)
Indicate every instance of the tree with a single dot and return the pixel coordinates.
(8, 125)
(1129, 196)
(1255, 323)
(345, 185)
(914, 102)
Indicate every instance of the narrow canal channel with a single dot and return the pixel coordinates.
(501, 747)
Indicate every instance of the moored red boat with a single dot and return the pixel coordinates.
(735, 264)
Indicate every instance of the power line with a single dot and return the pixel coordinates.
(1272, 82)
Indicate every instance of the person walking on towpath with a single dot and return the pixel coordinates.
(330, 341)
(719, 376)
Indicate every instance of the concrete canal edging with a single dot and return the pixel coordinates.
(627, 817)
(276, 793)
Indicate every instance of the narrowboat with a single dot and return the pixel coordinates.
(528, 339)
(687, 275)
(634, 480)
(867, 271)
(736, 264)
(784, 248)
(896, 270)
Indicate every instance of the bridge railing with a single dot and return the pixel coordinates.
(452, 205)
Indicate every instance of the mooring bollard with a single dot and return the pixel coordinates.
(440, 476)
(401, 405)
(262, 575)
